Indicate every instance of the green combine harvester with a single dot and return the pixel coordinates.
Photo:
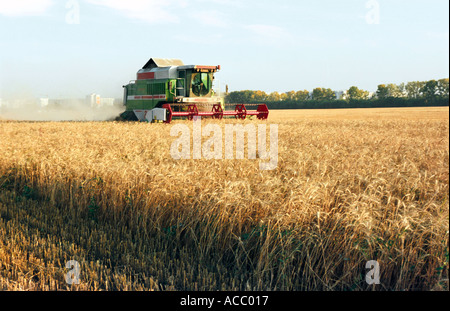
(166, 89)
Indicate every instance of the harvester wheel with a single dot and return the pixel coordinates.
(127, 116)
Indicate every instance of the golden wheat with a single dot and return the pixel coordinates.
(350, 186)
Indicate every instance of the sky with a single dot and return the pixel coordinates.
(71, 48)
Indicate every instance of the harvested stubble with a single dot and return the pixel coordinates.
(109, 195)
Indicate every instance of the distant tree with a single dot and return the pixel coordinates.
(258, 95)
(248, 96)
(239, 97)
(430, 89)
(394, 90)
(443, 87)
(354, 93)
(329, 94)
(231, 96)
(274, 96)
(402, 90)
(323, 94)
(301, 95)
(290, 95)
(434, 90)
(317, 93)
(414, 89)
(382, 91)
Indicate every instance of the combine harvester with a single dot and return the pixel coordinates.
(166, 89)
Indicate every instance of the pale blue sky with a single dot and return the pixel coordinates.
(267, 45)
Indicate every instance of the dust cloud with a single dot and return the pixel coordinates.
(58, 110)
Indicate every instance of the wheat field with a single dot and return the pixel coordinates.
(351, 186)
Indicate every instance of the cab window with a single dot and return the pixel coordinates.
(201, 84)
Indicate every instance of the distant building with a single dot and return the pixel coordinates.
(341, 94)
(43, 102)
(95, 100)
(106, 101)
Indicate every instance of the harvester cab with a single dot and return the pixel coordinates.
(195, 81)
(167, 89)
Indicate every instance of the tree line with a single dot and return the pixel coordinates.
(411, 94)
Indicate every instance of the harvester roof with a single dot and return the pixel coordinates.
(162, 62)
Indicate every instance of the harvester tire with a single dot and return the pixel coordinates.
(127, 116)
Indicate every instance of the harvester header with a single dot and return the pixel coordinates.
(165, 89)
